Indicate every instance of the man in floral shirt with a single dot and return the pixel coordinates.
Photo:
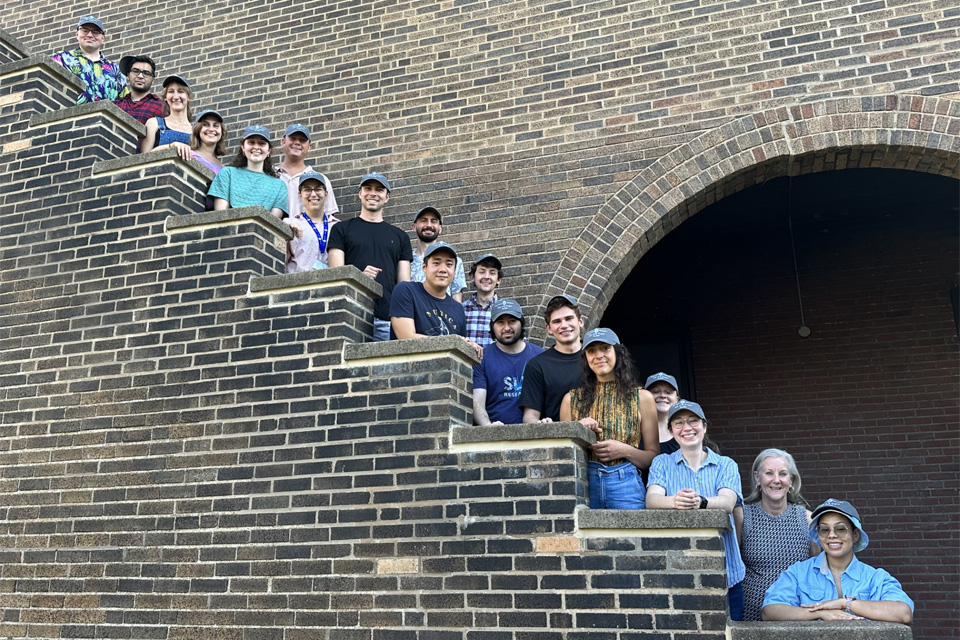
(102, 78)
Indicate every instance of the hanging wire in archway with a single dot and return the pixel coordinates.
(804, 330)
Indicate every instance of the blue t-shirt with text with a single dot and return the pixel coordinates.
(501, 374)
(431, 316)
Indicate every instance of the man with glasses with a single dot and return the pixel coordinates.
(140, 103)
(102, 78)
(311, 227)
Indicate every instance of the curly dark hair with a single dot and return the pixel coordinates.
(624, 374)
(240, 160)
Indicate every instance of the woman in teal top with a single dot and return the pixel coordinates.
(250, 179)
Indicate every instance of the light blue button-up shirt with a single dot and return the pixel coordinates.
(671, 471)
(810, 581)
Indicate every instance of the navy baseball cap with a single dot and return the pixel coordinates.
(662, 377)
(294, 128)
(438, 246)
(686, 405)
(505, 307)
(425, 210)
(312, 175)
(94, 20)
(177, 79)
(844, 508)
(376, 177)
(600, 334)
(489, 256)
(208, 112)
(256, 130)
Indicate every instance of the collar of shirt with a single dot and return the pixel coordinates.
(854, 569)
(476, 301)
(80, 56)
(281, 171)
(712, 458)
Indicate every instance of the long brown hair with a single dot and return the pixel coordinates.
(220, 149)
(240, 160)
(624, 376)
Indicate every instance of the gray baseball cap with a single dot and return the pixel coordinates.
(425, 210)
(437, 246)
(570, 299)
(208, 112)
(600, 334)
(312, 175)
(177, 79)
(505, 307)
(256, 130)
(489, 256)
(662, 377)
(94, 20)
(844, 508)
(686, 405)
(294, 128)
(376, 177)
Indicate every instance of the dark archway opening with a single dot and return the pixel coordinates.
(868, 403)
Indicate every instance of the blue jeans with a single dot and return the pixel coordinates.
(381, 330)
(616, 487)
(735, 598)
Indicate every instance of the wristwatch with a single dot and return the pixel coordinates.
(850, 600)
(703, 502)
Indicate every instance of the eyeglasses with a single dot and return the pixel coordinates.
(312, 190)
(692, 421)
(87, 32)
(841, 530)
(141, 72)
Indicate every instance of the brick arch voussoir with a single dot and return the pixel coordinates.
(905, 132)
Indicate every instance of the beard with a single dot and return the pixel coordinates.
(514, 339)
(427, 235)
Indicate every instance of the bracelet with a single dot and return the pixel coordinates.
(850, 600)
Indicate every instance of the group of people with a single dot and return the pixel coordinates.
(783, 562)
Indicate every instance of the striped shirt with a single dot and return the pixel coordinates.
(671, 472)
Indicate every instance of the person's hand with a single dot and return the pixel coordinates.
(545, 420)
(496, 423)
(371, 271)
(591, 424)
(686, 499)
(297, 231)
(608, 450)
(833, 614)
(836, 603)
(183, 150)
(477, 349)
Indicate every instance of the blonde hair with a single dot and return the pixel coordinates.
(793, 494)
(166, 90)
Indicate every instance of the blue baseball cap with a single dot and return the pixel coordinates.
(208, 112)
(844, 508)
(427, 209)
(662, 377)
(489, 256)
(94, 20)
(686, 405)
(600, 335)
(177, 79)
(438, 246)
(256, 130)
(312, 175)
(376, 177)
(505, 307)
(570, 299)
(294, 128)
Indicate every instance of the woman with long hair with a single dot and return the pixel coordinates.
(697, 477)
(177, 126)
(773, 526)
(208, 141)
(250, 179)
(611, 403)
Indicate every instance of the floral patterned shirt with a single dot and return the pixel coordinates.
(102, 77)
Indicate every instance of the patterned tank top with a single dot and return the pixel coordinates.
(770, 545)
(618, 418)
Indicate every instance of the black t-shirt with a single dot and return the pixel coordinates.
(547, 378)
(373, 243)
(431, 316)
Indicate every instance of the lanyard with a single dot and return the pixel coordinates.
(326, 227)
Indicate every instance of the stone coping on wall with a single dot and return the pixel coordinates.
(372, 353)
(227, 217)
(315, 279)
(138, 161)
(520, 436)
(104, 107)
(13, 44)
(655, 522)
(47, 64)
(819, 630)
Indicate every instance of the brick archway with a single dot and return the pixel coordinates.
(903, 132)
